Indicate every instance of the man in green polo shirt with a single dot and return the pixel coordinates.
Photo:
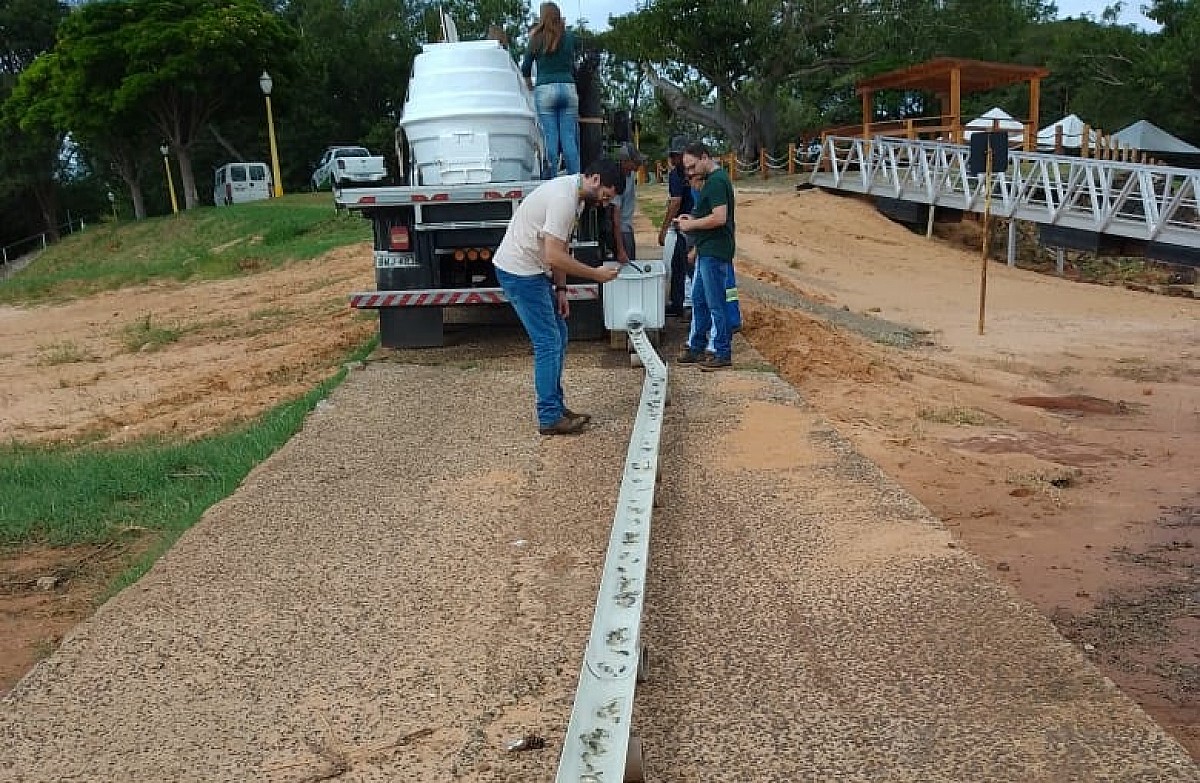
(711, 225)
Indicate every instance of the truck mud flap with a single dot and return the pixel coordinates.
(586, 321)
(411, 327)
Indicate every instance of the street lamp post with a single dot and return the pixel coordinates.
(112, 199)
(265, 83)
(164, 149)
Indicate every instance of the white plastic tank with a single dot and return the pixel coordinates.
(469, 117)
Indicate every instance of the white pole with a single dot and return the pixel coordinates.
(1012, 241)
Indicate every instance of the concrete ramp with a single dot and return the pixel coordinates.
(407, 587)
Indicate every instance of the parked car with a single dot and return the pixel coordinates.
(235, 183)
(348, 166)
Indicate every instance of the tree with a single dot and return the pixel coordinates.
(756, 61)
(177, 63)
(30, 164)
(67, 90)
(1178, 61)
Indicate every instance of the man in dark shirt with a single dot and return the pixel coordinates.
(679, 202)
(712, 226)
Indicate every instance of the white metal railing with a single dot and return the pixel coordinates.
(597, 742)
(13, 250)
(1141, 201)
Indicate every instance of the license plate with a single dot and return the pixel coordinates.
(388, 260)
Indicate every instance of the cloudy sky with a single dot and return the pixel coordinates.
(598, 11)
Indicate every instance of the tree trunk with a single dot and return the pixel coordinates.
(139, 200)
(130, 173)
(187, 179)
(233, 151)
(711, 117)
(47, 200)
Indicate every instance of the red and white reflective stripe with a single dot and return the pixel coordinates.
(443, 297)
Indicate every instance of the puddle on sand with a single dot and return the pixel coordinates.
(1077, 403)
(1040, 445)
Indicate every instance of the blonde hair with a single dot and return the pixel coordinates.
(548, 32)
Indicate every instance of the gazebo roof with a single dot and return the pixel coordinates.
(934, 76)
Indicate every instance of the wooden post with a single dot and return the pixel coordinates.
(956, 105)
(1058, 134)
(910, 131)
(929, 220)
(792, 158)
(1060, 261)
(1035, 98)
(762, 162)
(1085, 142)
(987, 208)
(733, 172)
(867, 113)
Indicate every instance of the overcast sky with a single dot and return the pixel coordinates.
(598, 11)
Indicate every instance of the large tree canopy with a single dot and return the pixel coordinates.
(736, 68)
(30, 162)
(175, 63)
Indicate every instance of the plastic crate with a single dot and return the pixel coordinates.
(640, 291)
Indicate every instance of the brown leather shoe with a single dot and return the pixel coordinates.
(564, 426)
(570, 414)
(712, 363)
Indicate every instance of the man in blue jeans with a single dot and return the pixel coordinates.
(711, 225)
(532, 264)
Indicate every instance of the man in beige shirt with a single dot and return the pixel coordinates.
(532, 264)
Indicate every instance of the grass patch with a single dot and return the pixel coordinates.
(144, 335)
(958, 416)
(1049, 483)
(1141, 372)
(66, 352)
(652, 204)
(62, 495)
(204, 243)
(758, 366)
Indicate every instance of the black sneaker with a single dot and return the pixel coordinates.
(564, 426)
(688, 356)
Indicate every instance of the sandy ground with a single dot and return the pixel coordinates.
(1059, 447)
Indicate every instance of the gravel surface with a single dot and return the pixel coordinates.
(406, 587)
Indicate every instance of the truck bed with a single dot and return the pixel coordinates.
(404, 195)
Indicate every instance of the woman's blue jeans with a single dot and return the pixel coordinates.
(709, 308)
(532, 296)
(558, 112)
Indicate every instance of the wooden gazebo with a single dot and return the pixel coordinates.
(948, 78)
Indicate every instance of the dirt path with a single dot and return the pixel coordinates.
(1085, 505)
(1061, 445)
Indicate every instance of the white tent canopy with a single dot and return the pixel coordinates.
(996, 119)
(1148, 137)
(1072, 134)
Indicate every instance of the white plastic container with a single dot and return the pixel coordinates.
(640, 291)
(469, 117)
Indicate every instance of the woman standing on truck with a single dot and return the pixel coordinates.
(552, 48)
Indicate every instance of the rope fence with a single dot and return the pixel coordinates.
(793, 161)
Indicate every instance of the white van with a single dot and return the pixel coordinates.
(238, 182)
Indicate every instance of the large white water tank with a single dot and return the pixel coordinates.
(469, 117)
